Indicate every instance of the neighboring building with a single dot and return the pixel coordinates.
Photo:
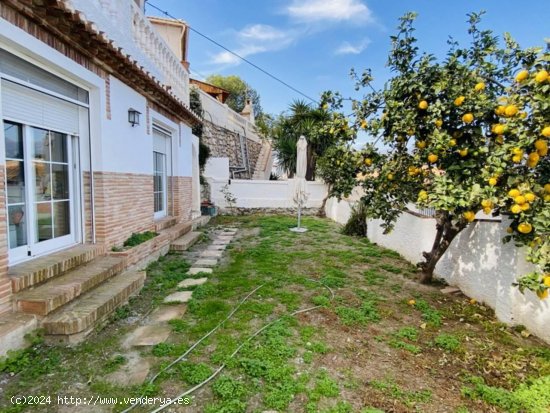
(80, 171)
(228, 134)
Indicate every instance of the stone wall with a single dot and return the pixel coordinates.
(224, 143)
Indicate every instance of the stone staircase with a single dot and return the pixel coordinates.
(70, 292)
(263, 162)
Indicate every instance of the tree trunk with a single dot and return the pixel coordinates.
(310, 171)
(322, 212)
(445, 234)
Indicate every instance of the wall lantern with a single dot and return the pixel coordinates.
(133, 117)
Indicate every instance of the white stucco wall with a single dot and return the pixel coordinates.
(265, 194)
(217, 169)
(477, 262)
(221, 115)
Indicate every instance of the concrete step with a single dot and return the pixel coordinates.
(13, 328)
(177, 230)
(165, 223)
(45, 298)
(185, 242)
(39, 270)
(201, 221)
(72, 323)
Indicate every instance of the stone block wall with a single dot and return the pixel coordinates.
(224, 143)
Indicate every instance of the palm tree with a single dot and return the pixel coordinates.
(303, 120)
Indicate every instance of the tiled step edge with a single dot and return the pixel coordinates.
(165, 223)
(36, 271)
(185, 242)
(73, 322)
(46, 298)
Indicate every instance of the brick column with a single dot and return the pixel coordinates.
(5, 284)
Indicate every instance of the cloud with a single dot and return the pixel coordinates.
(254, 39)
(348, 48)
(329, 11)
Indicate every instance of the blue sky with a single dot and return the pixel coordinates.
(313, 44)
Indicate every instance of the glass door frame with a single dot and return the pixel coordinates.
(164, 187)
(35, 248)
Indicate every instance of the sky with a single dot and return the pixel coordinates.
(313, 44)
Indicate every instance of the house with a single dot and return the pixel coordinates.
(95, 144)
(231, 137)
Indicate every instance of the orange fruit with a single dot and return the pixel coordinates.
(542, 294)
(515, 209)
(521, 76)
(533, 159)
(368, 161)
(463, 152)
(499, 129)
(500, 110)
(542, 147)
(390, 177)
(546, 280)
(479, 87)
(493, 181)
(432, 158)
(525, 207)
(459, 100)
(468, 118)
(486, 203)
(547, 188)
(541, 76)
(511, 110)
(520, 200)
(411, 302)
(469, 216)
(363, 124)
(525, 228)
(452, 142)
(423, 105)
(530, 197)
(513, 193)
(546, 132)
(421, 144)
(422, 195)
(438, 123)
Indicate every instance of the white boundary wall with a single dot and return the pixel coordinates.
(477, 262)
(264, 194)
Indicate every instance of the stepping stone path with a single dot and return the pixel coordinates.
(206, 262)
(191, 282)
(148, 335)
(167, 313)
(156, 329)
(178, 297)
(133, 372)
(210, 254)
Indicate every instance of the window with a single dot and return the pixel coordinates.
(159, 182)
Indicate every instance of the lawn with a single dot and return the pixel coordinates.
(376, 342)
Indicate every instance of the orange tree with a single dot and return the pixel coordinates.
(462, 135)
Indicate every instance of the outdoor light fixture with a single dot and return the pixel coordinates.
(133, 117)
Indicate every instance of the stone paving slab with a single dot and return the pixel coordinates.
(225, 237)
(221, 242)
(167, 313)
(206, 262)
(216, 247)
(198, 270)
(132, 373)
(179, 297)
(211, 254)
(191, 282)
(148, 335)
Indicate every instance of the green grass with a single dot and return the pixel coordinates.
(139, 238)
(313, 362)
